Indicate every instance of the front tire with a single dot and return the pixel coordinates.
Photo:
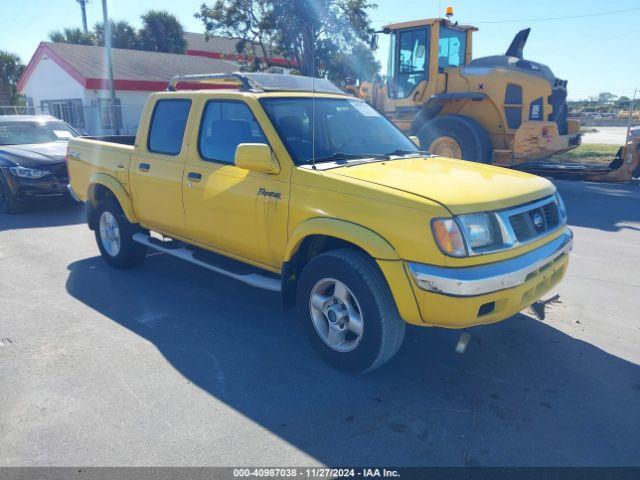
(114, 235)
(456, 136)
(349, 311)
(8, 202)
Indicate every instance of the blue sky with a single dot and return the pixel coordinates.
(595, 53)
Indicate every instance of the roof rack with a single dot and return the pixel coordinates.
(260, 82)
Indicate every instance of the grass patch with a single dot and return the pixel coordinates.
(588, 153)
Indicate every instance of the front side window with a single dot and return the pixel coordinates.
(316, 129)
(452, 47)
(168, 122)
(412, 60)
(225, 125)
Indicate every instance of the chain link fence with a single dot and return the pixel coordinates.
(90, 120)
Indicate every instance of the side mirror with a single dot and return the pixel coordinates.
(373, 42)
(415, 140)
(256, 157)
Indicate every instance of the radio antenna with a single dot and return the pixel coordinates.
(313, 102)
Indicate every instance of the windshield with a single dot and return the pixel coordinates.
(19, 133)
(343, 128)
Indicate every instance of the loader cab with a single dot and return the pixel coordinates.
(419, 51)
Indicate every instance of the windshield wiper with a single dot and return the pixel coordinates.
(341, 157)
(399, 151)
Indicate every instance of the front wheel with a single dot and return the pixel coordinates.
(114, 235)
(456, 136)
(349, 312)
(8, 201)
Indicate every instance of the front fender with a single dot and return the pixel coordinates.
(367, 239)
(118, 191)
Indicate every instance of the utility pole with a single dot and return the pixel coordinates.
(107, 51)
(83, 7)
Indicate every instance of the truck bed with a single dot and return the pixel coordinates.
(91, 156)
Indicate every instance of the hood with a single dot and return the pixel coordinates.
(35, 155)
(462, 187)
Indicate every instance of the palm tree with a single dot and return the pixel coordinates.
(123, 35)
(72, 35)
(161, 32)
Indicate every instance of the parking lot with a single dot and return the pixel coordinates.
(169, 364)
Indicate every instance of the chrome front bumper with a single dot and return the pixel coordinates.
(483, 279)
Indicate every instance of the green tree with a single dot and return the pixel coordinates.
(123, 35)
(161, 32)
(321, 36)
(72, 35)
(10, 70)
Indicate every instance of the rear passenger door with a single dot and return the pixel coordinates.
(158, 167)
(235, 211)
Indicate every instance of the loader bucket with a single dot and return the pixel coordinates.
(624, 167)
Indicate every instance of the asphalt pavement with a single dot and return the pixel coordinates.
(169, 364)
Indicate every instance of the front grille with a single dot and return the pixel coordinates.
(530, 223)
(59, 171)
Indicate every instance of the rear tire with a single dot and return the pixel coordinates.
(473, 141)
(349, 311)
(8, 202)
(114, 235)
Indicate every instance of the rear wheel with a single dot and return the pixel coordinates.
(456, 136)
(114, 235)
(348, 310)
(8, 201)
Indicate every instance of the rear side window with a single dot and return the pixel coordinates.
(167, 126)
(225, 125)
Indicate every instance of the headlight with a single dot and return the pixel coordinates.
(448, 236)
(24, 172)
(459, 235)
(562, 209)
(479, 230)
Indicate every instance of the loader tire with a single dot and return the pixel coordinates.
(456, 136)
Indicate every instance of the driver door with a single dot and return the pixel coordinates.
(235, 211)
(409, 61)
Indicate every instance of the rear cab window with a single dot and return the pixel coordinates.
(168, 122)
(225, 125)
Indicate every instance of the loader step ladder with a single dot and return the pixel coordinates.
(247, 274)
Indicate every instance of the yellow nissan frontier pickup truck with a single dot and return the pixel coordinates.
(288, 184)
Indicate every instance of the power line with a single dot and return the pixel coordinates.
(543, 19)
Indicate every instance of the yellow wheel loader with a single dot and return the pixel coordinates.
(500, 109)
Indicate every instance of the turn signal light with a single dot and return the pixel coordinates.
(448, 237)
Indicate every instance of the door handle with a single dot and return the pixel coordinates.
(144, 167)
(194, 177)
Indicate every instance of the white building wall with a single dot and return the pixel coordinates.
(131, 105)
(49, 81)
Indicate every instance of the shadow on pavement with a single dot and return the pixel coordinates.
(523, 394)
(49, 213)
(605, 206)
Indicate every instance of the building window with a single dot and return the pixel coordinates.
(70, 111)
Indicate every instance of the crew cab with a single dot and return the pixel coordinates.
(287, 183)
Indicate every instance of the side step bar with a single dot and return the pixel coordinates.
(252, 279)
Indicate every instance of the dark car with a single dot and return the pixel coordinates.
(32, 159)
